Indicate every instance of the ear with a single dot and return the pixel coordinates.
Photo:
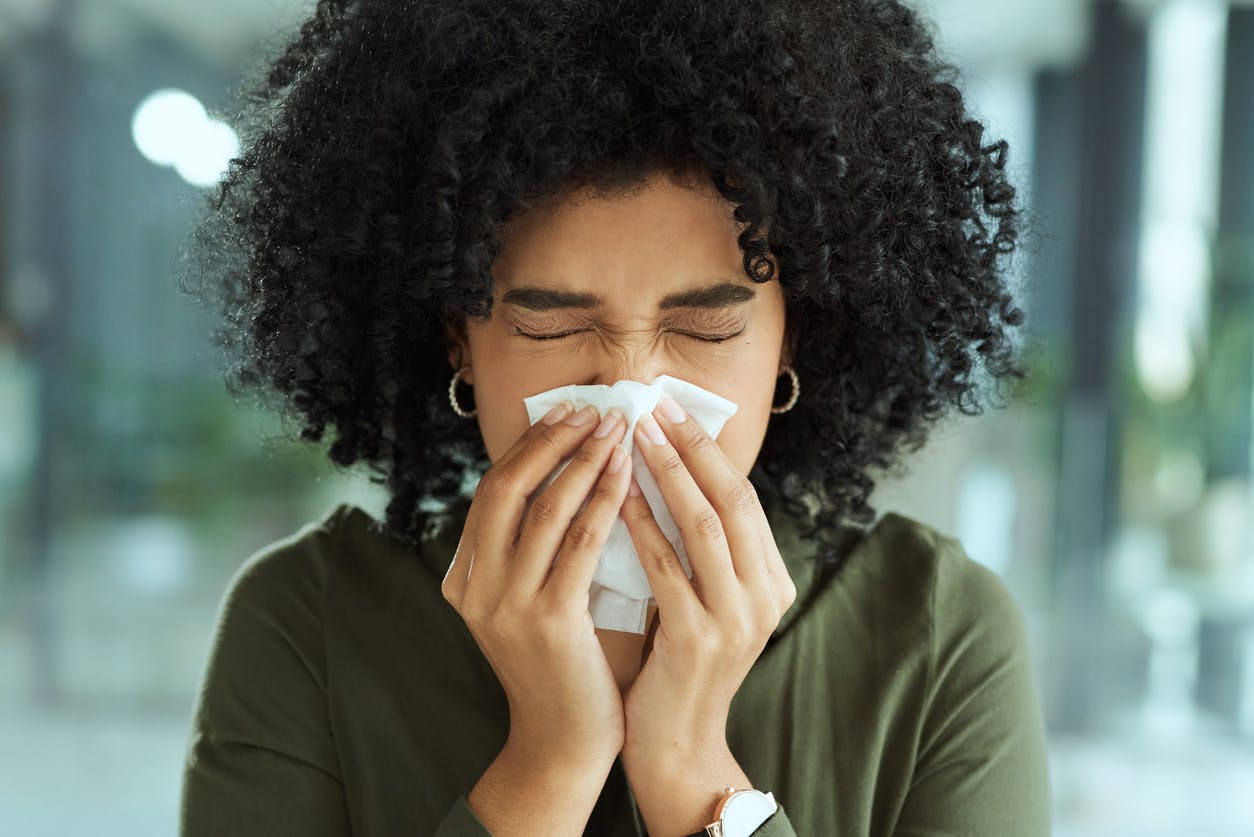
(458, 347)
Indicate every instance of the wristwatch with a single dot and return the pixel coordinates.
(739, 813)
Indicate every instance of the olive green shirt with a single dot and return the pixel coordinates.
(344, 695)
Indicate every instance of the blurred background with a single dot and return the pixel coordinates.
(1114, 498)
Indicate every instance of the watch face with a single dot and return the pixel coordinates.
(745, 811)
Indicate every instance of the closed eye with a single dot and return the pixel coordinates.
(703, 338)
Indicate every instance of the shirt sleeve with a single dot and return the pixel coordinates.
(260, 758)
(776, 825)
(982, 765)
(461, 821)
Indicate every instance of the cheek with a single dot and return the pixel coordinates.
(501, 429)
(741, 438)
(740, 442)
(501, 415)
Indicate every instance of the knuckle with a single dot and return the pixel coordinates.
(475, 612)
(604, 491)
(493, 486)
(740, 496)
(708, 524)
(446, 590)
(768, 622)
(544, 510)
(637, 513)
(665, 559)
(580, 535)
(697, 438)
(551, 437)
(446, 586)
(550, 625)
(504, 617)
(671, 463)
(586, 454)
(707, 643)
(743, 634)
(790, 593)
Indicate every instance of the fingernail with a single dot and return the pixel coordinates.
(671, 410)
(606, 425)
(582, 417)
(617, 459)
(651, 431)
(556, 414)
(634, 488)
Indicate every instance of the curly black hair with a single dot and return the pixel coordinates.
(386, 142)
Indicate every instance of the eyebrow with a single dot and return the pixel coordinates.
(722, 294)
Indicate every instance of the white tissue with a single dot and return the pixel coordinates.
(620, 594)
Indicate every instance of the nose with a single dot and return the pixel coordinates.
(641, 366)
(640, 375)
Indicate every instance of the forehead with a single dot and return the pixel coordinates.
(664, 245)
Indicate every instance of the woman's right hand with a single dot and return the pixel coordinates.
(533, 625)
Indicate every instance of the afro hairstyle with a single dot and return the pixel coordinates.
(385, 142)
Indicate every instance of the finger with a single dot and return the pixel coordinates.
(705, 542)
(559, 413)
(576, 564)
(454, 584)
(672, 589)
(549, 515)
(730, 492)
(508, 484)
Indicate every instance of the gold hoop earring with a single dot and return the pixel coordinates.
(796, 391)
(452, 395)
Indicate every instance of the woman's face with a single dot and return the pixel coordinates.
(620, 278)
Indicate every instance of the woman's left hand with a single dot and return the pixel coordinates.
(711, 629)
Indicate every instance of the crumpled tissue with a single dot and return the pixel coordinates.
(620, 594)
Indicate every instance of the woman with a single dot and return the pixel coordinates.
(784, 203)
